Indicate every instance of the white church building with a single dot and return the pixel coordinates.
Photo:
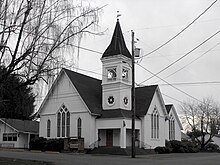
(100, 110)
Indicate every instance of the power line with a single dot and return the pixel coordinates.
(91, 50)
(182, 56)
(178, 54)
(180, 31)
(192, 61)
(175, 25)
(195, 83)
(172, 98)
(170, 84)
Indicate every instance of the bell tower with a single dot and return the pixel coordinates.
(116, 71)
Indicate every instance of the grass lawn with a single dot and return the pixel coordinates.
(13, 161)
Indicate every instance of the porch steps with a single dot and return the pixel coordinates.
(119, 151)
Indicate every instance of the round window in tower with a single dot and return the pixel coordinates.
(125, 100)
(111, 100)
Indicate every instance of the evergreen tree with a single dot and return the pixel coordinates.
(17, 103)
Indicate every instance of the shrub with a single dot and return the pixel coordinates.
(37, 143)
(177, 146)
(184, 146)
(161, 150)
(168, 146)
(190, 147)
(212, 147)
(44, 144)
(54, 145)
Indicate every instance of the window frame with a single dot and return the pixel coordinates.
(172, 128)
(68, 124)
(126, 77)
(63, 122)
(48, 127)
(9, 137)
(155, 124)
(113, 71)
(58, 124)
(79, 127)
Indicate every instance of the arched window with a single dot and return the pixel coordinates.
(63, 122)
(58, 123)
(79, 127)
(48, 127)
(68, 124)
(155, 124)
(111, 74)
(171, 128)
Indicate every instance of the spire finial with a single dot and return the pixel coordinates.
(118, 15)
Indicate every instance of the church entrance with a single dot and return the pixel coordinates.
(109, 137)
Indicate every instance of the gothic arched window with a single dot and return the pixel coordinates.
(58, 123)
(171, 128)
(79, 127)
(48, 127)
(155, 124)
(68, 124)
(63, 122)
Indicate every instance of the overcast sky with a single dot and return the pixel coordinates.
(155, 22)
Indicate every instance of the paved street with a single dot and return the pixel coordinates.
(82, 159)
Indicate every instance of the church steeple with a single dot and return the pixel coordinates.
(116, 79)
(117, 45)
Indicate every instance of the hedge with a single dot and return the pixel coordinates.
(44, 144)
(175, 146)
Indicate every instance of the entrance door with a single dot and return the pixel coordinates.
(109, 137)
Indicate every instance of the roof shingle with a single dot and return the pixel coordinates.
(90, 89)
(117, 45)
(22, 125)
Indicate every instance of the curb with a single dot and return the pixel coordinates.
(48, 152)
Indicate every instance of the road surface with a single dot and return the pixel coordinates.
(85, 159)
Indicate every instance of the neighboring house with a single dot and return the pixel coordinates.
(173, 125)
(100, 110)
(16, 133)
(215, 139)
(185, 136)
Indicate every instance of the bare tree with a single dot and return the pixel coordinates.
(35, 34)
(202, 119)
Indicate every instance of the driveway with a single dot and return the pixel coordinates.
(84, 159)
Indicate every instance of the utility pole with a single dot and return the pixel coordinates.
(133, 99)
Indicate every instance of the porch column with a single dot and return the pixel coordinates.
(123, 137)
(29, 139)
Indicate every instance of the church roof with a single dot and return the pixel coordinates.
(169, 108)
(90, 89)
(143, 98)
(117, 45)
(22, 125)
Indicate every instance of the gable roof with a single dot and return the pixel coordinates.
(22, 125)
(168, 107)
(143, 98)
(90, 89)
(117, 45)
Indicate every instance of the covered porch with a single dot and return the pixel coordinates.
(117, 133)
